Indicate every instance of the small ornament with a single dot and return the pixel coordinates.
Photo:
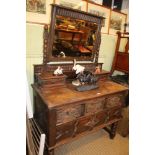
(78, 68)
(58, 71)
(62, 54)
(97, 70)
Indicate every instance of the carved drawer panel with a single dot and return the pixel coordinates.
(68, 113)
(95, 106)
(114, 100)
(113, 114)
(89, 122)
(83, 124)
(100, 118)
(64, 131)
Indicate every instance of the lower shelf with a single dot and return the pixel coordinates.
(62, 142)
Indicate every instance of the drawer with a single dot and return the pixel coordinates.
(64, 131)
(83, 124)
(100, 118)
(114, 100)
(68, 113)
(114, 113)
(89, 122)
(94, 106)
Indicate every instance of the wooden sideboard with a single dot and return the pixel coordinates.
(65, 114)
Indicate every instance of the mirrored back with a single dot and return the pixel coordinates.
(73, 34)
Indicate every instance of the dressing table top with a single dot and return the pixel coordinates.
(59, 96)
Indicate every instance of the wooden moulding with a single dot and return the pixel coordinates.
(69, 12)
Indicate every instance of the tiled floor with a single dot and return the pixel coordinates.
(96, 144)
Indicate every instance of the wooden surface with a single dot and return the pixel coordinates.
(121, 59)
(68, 95)
(65, 114)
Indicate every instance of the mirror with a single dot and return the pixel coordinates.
(73, 38)
(73, 34)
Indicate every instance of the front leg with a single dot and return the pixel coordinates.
(113, 130)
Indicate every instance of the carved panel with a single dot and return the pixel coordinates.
(66, 67)
(95, 106)
(77, 14)
(101, 116)
(45, 43)
(84, 124)
(64, 131)
(68, 113)
(114, 100)
(114, 113)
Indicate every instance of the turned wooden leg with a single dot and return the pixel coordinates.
(113, 130)
(51, 152)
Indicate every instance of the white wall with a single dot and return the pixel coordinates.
(34, 52)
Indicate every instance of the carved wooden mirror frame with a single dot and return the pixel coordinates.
(69, 12)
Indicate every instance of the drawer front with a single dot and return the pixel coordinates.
(114, 113)
(64, 131)
(114, 100)
(68, 113)
(89, 122)
(83, 124)
(101, 118)
(94, 106)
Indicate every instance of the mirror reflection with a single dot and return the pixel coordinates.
(73, 37)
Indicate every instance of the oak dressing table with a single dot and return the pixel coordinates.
(63, 113)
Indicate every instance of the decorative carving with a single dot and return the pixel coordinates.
(45, 37)
(62, 11)
(92, 122)
(114, 101)
(66, 114)
(95, 106)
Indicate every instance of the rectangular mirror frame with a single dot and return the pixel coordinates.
(49, 33)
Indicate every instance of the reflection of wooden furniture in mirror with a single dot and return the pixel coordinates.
(73, 34)
(121, 57)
